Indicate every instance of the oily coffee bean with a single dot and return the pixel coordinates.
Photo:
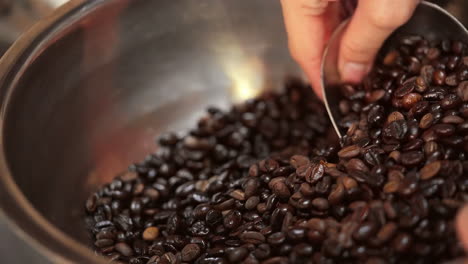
(430, 170)
(124, 249)
(238, 254)
(190, 252)
(233, 219)
(266, 181)
(252, 237)
(349, 152)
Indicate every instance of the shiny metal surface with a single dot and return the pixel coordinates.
(429, 20)
(85, 92)
(88, 97)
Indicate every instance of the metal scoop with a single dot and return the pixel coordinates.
(429, 20)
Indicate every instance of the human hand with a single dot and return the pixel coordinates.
(309, 24)
(462, 227)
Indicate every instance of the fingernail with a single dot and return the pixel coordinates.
(354, 72)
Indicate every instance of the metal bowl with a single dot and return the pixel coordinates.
(86, 90)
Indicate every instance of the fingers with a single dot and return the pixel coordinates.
(309, 24)
(372, 22)
(462, 226)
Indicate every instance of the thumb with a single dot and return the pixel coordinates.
(370, 26)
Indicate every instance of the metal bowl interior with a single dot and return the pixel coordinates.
(89, 92)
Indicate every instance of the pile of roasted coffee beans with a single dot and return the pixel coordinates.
(263, 182)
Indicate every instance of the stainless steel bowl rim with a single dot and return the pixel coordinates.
(29, 224)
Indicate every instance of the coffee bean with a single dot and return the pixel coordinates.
(252, 237)
(411, 99)
(213, 217)
(314, 173)
(151, 233)
(462, 91)
(452, 119)
(264, 182)
(407, 87)
(412, 158)
(349, 152)
(391, 186)
(280, 189)
(91, 203)
(251, 187)
(430, 170)
(320, 204)
(103, 242)
(306, 189)
(402, 242)
(233, 219)
(169, 258)
(394, 116)
(276, 238)
(387, 232)
(444, 129)
(391, 58)
(364, 231)
(396, 130)
(433, 53)
(349, 183)
(200, 211)
(238, 195)
(419, 108)
(335, 197)
(252, 202)
(190, 252)
(238, 254)
(298, 160)
(276, 260)
(124, 249)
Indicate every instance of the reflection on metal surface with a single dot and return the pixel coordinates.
(246, 77)
(245, 73)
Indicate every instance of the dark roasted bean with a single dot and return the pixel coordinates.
(430, 170)
(349, 152)
(238, 195)
(252, 237)
(336, 195)
(190, 252)
(104, 242)
(252, 202)
(387, 232)
(233, 219)
(412, 158)
(462, 91)
(364, 231)
(411, 100)
(238, 254)
(276, 238)
(213, 217)
(264, 182)
(279, 188)
(299, 160)
(402, 242)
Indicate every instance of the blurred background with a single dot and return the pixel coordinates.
(16, 16)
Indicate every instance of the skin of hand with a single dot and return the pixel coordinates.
(462, 227)
(309, 24)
